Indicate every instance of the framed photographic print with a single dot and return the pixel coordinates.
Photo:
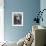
(17, 18)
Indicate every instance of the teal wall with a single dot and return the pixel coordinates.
(29, 7)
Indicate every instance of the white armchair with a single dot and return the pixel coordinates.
(20, 42)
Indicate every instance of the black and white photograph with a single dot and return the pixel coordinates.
(17, 18)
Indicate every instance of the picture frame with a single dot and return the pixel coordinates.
(17, 18)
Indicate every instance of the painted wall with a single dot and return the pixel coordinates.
(29, 7)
